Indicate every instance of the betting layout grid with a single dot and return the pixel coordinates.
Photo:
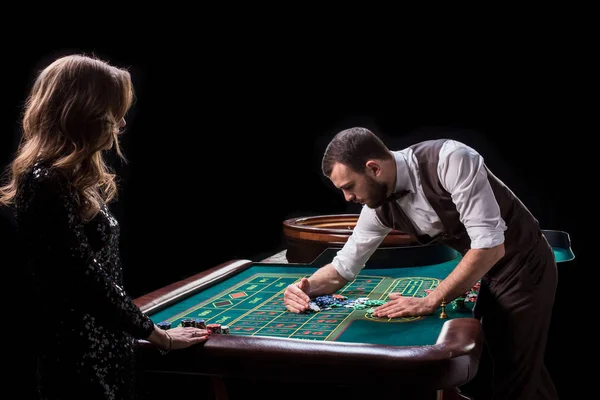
(325, 303)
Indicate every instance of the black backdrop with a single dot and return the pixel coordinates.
(223, 147)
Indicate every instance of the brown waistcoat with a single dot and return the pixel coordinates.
(523, 231)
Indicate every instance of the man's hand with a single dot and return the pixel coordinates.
(399, 306)
(296, 296)
(325, 280)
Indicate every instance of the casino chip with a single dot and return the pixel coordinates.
(199, 323)
(328, 302)
(471, 294)
(164, 325)
(188, 322)
(459, 304)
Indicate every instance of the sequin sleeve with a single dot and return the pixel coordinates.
(52, 229)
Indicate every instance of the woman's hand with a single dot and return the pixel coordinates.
(183, 337)
(177, 338)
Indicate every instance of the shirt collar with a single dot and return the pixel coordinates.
(403, 181)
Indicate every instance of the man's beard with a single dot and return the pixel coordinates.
(377, 193)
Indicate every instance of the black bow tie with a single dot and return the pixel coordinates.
(396, 196)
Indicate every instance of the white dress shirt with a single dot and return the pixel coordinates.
(461, 173)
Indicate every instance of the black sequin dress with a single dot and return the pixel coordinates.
(86, 323)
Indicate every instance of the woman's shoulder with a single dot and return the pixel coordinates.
(42, 173)
(41, 178)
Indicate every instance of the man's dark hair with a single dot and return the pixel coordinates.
(353, 147)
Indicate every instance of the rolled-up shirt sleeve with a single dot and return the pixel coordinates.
(366, 237)
(462, 173)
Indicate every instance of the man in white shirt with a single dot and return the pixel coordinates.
(441, 190)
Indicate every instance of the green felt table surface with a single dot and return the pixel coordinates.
(251, 303)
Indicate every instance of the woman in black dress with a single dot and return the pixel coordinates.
(59, 187)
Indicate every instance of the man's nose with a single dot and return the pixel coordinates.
(349, 197)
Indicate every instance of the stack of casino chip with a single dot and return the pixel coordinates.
(328, 302)
(188, 322)
(459, 304)
(471, 294)
(368, 304)
(218, 328)
(164, 325)
(197, 323)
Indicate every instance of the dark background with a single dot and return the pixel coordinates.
(222, 148)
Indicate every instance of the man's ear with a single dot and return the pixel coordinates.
(373, 168)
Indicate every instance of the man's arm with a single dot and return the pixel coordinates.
(475, 264)
(325, 281)
(462, 173)
(366, 237)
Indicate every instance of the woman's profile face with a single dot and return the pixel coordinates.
(121, 125)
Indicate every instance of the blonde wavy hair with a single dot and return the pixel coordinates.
(72, 115)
